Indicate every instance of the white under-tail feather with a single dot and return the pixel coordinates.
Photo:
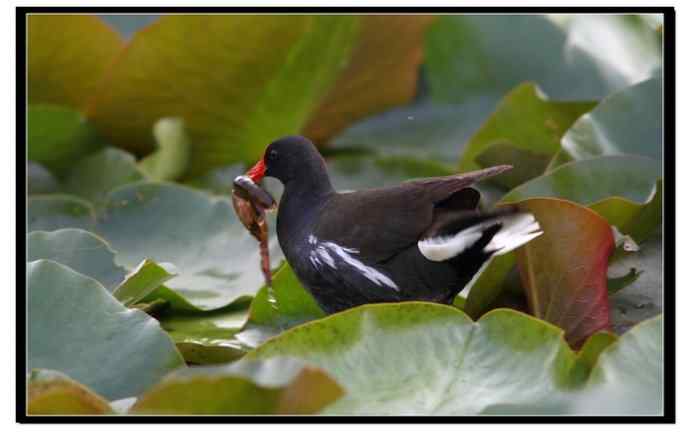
(516, 230)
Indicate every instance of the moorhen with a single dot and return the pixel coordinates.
(424, 239)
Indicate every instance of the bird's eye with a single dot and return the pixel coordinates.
(272, 155)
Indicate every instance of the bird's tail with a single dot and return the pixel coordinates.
(484, 234)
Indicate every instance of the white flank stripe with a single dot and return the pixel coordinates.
(516, 230)
(324, 252)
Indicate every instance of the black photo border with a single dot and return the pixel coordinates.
(669, 218)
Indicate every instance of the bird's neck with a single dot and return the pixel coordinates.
(301, 201)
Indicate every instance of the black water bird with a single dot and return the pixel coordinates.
(424, 239)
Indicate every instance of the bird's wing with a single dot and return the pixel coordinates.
(380, 223)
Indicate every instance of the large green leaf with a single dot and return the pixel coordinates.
(75, 326)
(429, 359)
(629, 376)
(275, 386)
(53, 393)
(80, 250)
(592, 180)
(643, 298)
(563, 271)
(94, 176)
(382, 73)
(67, 55)
(275, 309)
(207, 337)
(627, 122)
(587, 59)
(424, 130)
(217, 260)
(39, 180)
(54, 212)
(238, 81)
(57, 136)
(528, 122)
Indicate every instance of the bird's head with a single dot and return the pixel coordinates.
(287, 159)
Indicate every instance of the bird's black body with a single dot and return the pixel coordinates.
(361, 247)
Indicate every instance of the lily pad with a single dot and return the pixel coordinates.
(75, 326)
(425, 130)
(381, 74)
(627, 122)
(283, 306)
(643, 298)
(207, 337)
(94, 176)
(487, 55)
(589, 181)
(528, 121)
(451, 365)
(39, 180)
(58, 211)
(80, 250)
(57, 136)
(64, 66)
(275, 386)
(238, 81)
(629, 376)
(54, 393)
(563, 271)
(146, 278)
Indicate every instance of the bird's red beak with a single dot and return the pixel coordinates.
(256, 173)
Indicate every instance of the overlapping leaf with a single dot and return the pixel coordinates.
(585, 59)
(525, 132)
(238, 81)
(77, 327)
(563, 271)
(67, 56)
(282, 386)
(381, 74)
(53, 393)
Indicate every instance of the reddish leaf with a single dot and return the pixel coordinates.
(382, 73)
(564, 270)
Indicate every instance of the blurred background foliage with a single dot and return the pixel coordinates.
(138, 124)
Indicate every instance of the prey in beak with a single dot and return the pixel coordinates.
(251, 201)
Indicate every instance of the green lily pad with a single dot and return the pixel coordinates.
(217, 259)
(206, 338)
(80, 250)
(53, 393)
(146, 278)
(425, 130)
(67, 56)
(592, 180)
(643, 298)
(275, 386)
(487, 55)
(94, 176)
(382, 73)
(627, 122)
(366, 171)
(58, 211)
(451, 365)
(281, 307)
(170, 161)
(238, 81)
(39, 180)
(57, 136)
(629, 376)
(527, 121)
(75, 326)
(563, 271)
